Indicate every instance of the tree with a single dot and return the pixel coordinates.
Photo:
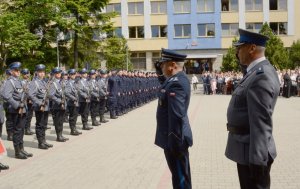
(116, 53)
(230, 62)
(295, 54)
(275, 52)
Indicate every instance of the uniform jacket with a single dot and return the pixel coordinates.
(37, 92)
(173, 127)
(251, 106)
(12, 93)
(57, 95)
(95, 96)
(84, 90)
(72, 93)
(102, 87)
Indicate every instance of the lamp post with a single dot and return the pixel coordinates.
(57, 46)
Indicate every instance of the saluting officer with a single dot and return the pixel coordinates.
(58, 104)
(26, 80)
(250, 141)
(173, 132)
(84, 93)
(15, 96)
(38, 93)
(72, 102)
(95, 97)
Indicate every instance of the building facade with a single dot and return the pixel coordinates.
(203, 29)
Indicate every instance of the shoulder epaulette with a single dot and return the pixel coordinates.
(260, 70)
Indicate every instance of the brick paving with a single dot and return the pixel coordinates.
(121, 154)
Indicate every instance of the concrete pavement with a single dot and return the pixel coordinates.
(120, 154)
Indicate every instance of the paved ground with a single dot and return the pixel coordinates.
(121, 154)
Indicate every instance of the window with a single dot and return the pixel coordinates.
(116, 7)
(136, 32)
(182, 30)
(138, 60)
(159, 31)
(205, 5)
(117, 32)
(254, 27)
(279, 28)
(158, 7)
(230, 29)
(206, 30)
(229, 5)
(135, 8)
(254, 5)
(155, 56)
(278, 4)
(182, 6)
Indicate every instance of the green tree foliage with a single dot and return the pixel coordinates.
(230, 62)
(275, 52)
(116, 54)
(295, 54)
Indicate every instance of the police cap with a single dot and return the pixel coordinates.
(72, 71)
(40, 67)
(83, 71)
(92, 72)
(15, 66)
(24, 71)
(56, 70)
(247, 37)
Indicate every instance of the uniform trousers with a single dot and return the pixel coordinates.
(41, 124)
(102, 105)
(179, 166)
(29, 115)
(262, 181)
(84, 109)
(58, 120)
(18, 121)
(73, 114)
(9, 123)
(94, 109)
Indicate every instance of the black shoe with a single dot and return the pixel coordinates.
(64, 138)
(3, 167)
(95, 123)
(102, 119)
(24, 152)
(86, 127)
(18, 154)
(43, 146)
(113, 117)
(47, 144)
(28, 132)
(59, 139)
(75, 133)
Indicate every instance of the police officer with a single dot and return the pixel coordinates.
(15, 96)
(84, 93)
(26, 80)
(112, 94)
(95, 97)
(58, 106)
(65, 78)
(72, 102)
(102, 83)
(38, 93)
(173, 132)
(250, 141)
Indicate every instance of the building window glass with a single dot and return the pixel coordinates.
(158, 7)
(136, 8)
(206, 5)
(230, 29)
(230, 5)
(117, 32)
(279, 28)
(206, 30)
(155, 56)
(254, 5)
(278, 4)
(159, 31)
(138, 60)
(115, 7)
(182, 30)
(182, 6)
(136, 32)
(253, 27)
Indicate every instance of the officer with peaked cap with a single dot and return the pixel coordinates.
(102, 82)
(84, 93)
(173, 132)
(249, 115)
(15, 97)
(72, 102)
(38, 93)
(95, 97)
(58, 106)
(26, 80)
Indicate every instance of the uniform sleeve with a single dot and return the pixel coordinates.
(101, 91)
(8, 95)
(176, 111)
(52, 95)
(69, 92)
(260, 108)
(81, 91)
(32, 93)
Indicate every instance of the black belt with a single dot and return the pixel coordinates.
(238, 129)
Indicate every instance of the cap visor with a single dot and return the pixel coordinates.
(236, 44)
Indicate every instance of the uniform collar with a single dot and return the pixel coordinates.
(255, 62)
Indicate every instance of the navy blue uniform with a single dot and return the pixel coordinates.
(173, 133)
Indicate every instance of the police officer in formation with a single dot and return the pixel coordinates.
(250, 141)
(102, 83)
(173, 132)
(59, 103)
(15, 97)
(95, 97)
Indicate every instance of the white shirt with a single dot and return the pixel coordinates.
(255, 62)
